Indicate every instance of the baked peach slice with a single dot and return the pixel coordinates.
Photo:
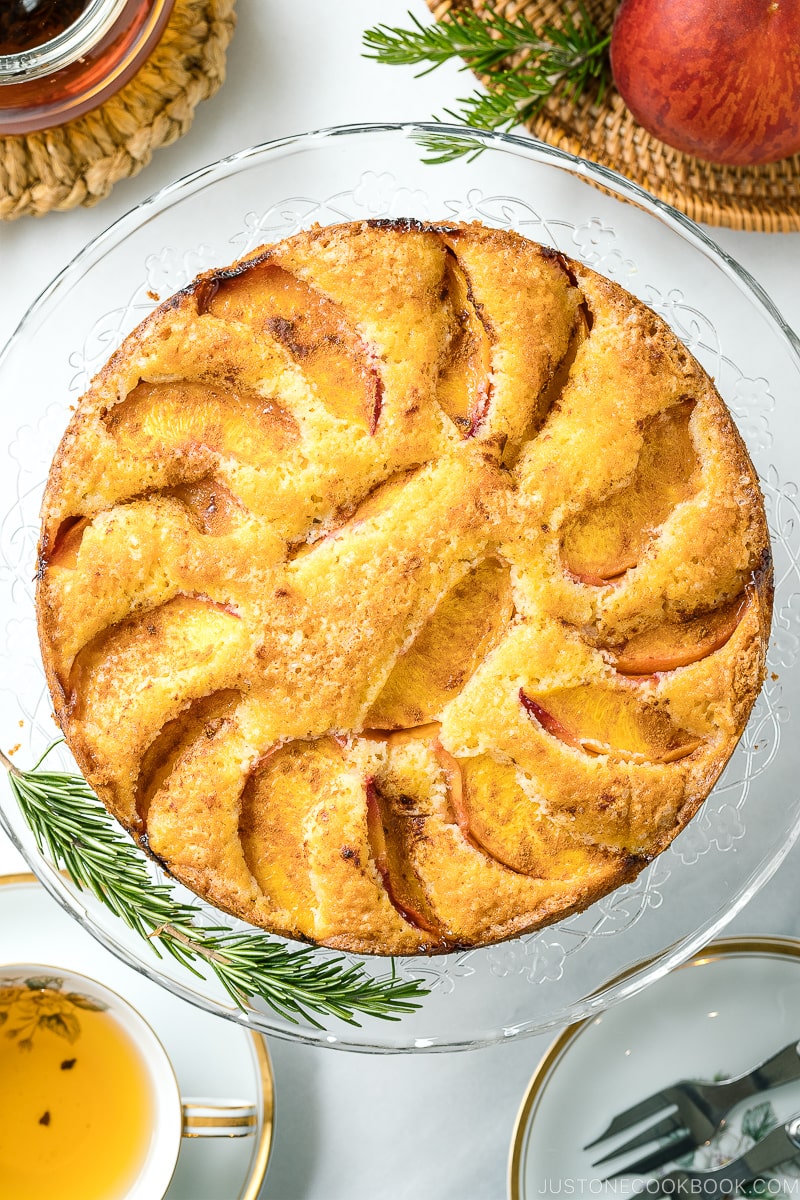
(378, 501)
(315, 331)
(126, 672)
(676, 644)
(203, 718)
(621, 724)
(465, 626)
(67, 544)
(554, 390)
(211, 506)
(427, 733)
(158, 419)
(498, 817)
(387, 831)
(281, 793)
(464, 386)
(602, 544)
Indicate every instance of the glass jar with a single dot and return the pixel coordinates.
(60, 58)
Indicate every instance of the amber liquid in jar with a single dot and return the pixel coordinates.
(61, 58)
(25, 24)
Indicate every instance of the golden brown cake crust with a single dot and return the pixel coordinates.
(403, 587)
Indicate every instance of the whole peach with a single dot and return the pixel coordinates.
(719, 79)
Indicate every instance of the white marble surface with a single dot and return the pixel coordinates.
(352, 1127)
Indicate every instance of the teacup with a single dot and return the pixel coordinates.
(89, 1103)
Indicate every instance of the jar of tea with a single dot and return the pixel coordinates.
(60, 58)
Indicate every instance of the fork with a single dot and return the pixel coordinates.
(777, 1147)
(693, 1111)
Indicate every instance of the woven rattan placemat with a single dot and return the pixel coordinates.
(757, 198)
(79, 163)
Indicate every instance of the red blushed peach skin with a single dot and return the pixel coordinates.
(498, 818)
(717, 80)
(677, 644)
(68, 543)
(455, 790)
(464, 388)
(391, 859)
(611, 538)
(456, 793)
(598, 720)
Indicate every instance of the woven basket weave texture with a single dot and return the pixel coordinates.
(765, 198)
(79, 163)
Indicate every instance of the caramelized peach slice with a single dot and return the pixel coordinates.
(454, 641)
(379, 500)
(497, 817)
(281, 792)
(317, 333)
(618, 723)
(451, 769)
(552, 393)
(202, 718)
(388, 844)
(678, 643)
(400, 737)
(464, 386)
(68, 543)
(177, 417)
(609, 540)
(212, 507)
(129, 662)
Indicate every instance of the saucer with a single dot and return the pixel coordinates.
(211, 1057)
(727, 1009)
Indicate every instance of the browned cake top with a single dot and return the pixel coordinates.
(403, 587)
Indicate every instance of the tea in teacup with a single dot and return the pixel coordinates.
(76, 1097)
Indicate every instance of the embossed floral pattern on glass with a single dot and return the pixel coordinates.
(543, 979)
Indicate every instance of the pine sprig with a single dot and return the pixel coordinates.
(563, 59)
(77, 833)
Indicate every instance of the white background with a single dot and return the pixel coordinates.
(352, 1127)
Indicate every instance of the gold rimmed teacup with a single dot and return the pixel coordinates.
(89, 1103)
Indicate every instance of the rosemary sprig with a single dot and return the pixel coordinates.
(78, 834)
(562, 59)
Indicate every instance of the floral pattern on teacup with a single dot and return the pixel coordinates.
(30, 1005)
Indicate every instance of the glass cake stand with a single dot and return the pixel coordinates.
(746, 827)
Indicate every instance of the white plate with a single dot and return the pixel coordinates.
(729, 1008)
(211, 1057)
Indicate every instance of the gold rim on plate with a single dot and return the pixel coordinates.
(780, 947)
(262, 1067)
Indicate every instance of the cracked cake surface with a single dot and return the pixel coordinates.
(403, 587)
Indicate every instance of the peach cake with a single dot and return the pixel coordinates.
(403, 587)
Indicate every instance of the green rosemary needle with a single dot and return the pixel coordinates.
(564, 59)
(70, 824)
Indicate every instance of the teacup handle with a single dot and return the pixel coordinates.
(209, 1117)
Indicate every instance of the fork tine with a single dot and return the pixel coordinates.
(631, 1116)
(652, 1133)
(649, 1162)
